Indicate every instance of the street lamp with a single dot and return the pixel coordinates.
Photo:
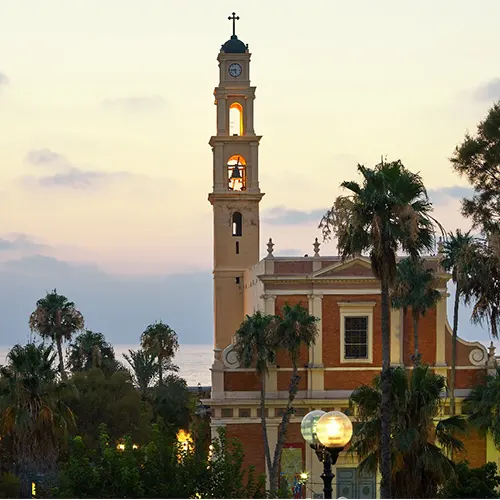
(327, 434)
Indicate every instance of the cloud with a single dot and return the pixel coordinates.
(120, 307)
(46, 158)
(20, 242)
(442, 195)
(70, 175)
(282, 215)
(80, 179)
(4, 80)
(135, 104)
(489, 91)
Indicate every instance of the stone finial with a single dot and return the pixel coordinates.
(440, 246)
(270, 246)
(491, 350)
(316, 246)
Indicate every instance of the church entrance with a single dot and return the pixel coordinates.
(351, 483)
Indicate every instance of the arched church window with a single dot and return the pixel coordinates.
(237, 173)
(237, 224)
(236, 119)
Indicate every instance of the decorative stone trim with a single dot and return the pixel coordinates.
(230, 358)
(478, 357)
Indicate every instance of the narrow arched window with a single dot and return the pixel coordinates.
(236, 119)
(237, 224)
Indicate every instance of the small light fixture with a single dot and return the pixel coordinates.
(334, 429)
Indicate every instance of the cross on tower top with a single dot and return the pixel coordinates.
(234, 18)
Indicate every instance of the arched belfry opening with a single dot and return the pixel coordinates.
(237, 224)
(236, 119)
(237, 173)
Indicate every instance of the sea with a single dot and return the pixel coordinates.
(194, 361)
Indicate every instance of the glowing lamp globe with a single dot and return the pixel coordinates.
(334, 429)
(308, 426)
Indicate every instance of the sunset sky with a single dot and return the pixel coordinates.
(106, 109)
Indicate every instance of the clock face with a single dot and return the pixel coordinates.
(235, 70)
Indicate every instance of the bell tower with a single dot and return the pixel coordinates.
(236, 194)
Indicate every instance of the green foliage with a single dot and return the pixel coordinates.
(111, 400)
(160, 469)
(32, 415)
(478, 159)
(9, 486)
(56, 318)
(415, 289)
(172, 402)
(389, 210)
(144, 370)
(482, 405)
(483, 288)
(419, 466)
(161, 341)
(90, 350)
(480, 482)
(296, 328)
(255, 341)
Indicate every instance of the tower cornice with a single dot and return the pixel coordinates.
(234, 139)
(234, 196)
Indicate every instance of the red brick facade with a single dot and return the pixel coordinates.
(325, 287)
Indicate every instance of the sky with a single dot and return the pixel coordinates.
(106, 109)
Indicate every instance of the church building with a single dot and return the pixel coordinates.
(345, 296)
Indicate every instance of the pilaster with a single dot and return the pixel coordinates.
(254, 163)
(219, 185)
(217, 375)
(316, 380)
(396, 337)
(441, 331)
(269, 303)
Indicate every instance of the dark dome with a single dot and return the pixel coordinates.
(234, 46)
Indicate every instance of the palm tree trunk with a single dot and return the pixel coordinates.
(61, 359)
(385, 407)
(454, 351)
(263, 420)
(160, 370)
(283, 427)
(416, 354)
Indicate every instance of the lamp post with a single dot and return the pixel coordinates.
(327, 434)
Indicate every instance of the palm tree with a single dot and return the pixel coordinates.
(484, 402)
(295, 330)
(419, 462)
(483, 287)
(389, 210)
(144, 370)
(32, 413)
(458, 257)
(90, 350)
(414, 288)
(255, 345)
(161, 341)
(56, 318)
